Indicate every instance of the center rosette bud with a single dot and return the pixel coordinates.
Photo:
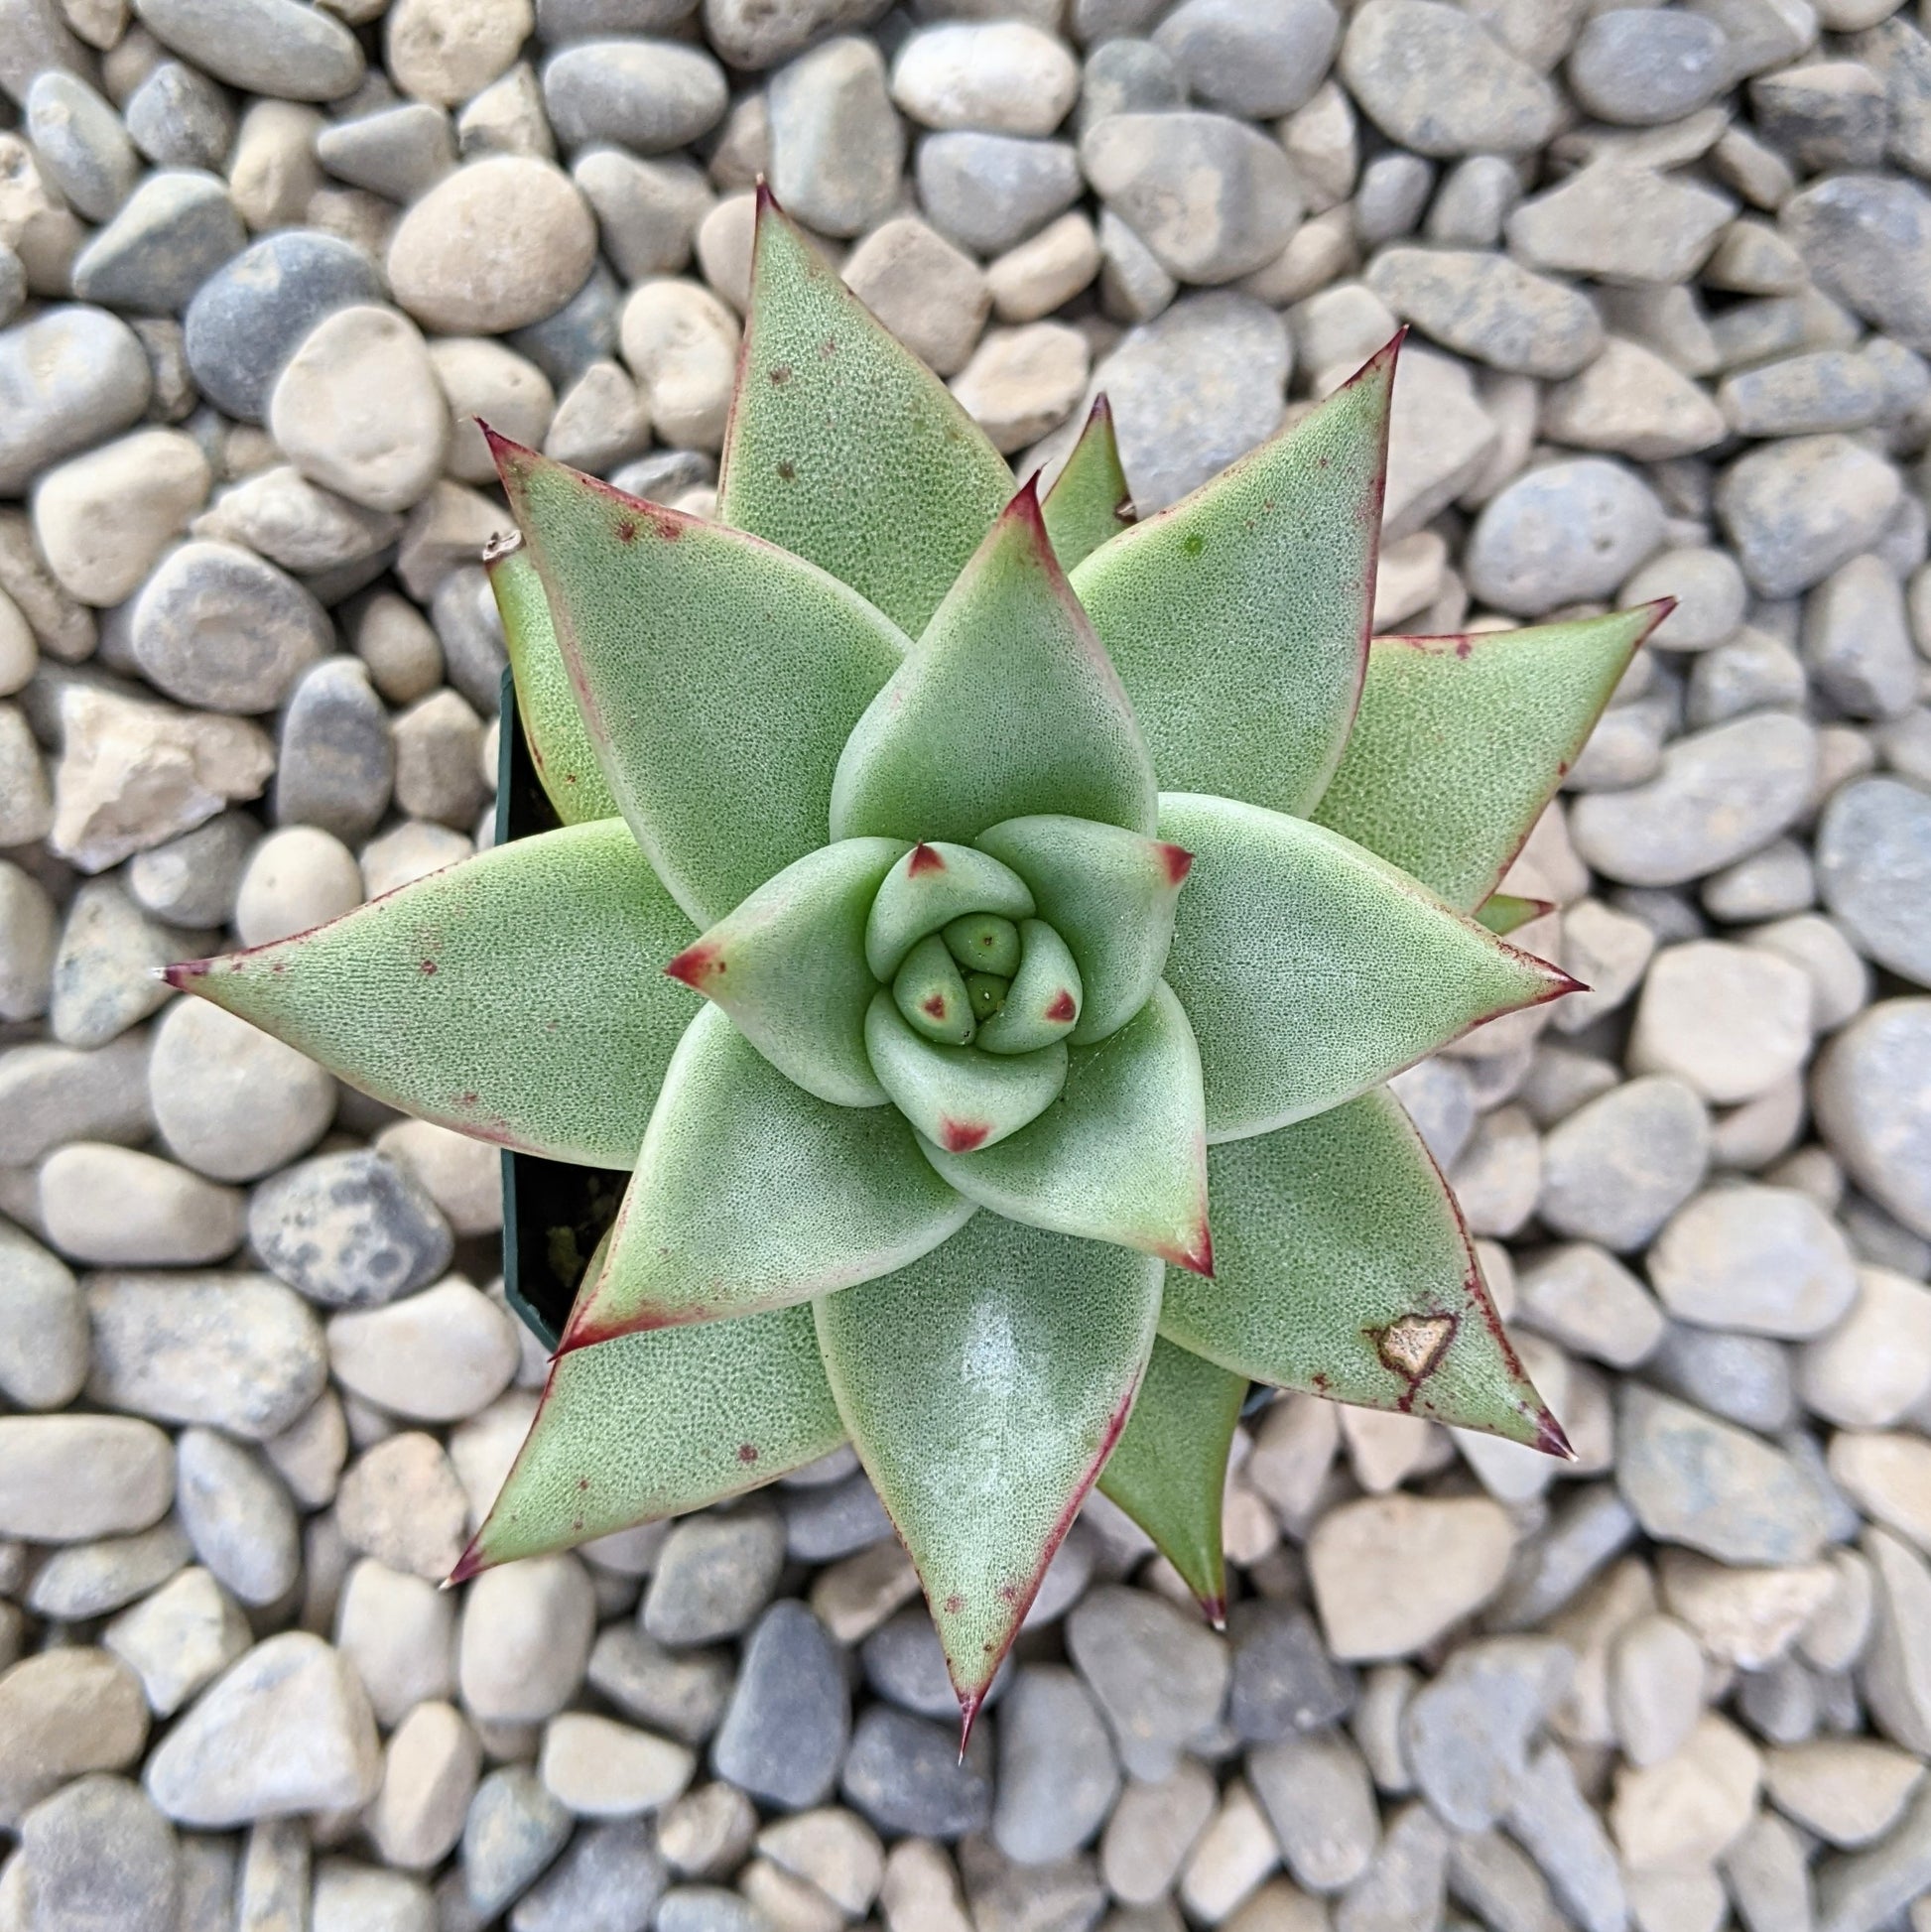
(976, 997)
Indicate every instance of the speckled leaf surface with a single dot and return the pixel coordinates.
(1312, 969)
(1169, 1469)
(1503, 911)
(930, 887)
(1088, 502)
(1006, 707)
(658, 1423)
(1238, 618)
(559, 745)
(788, 966)
(957, 1096)
(1110, 894)
(843, 447)
(1343, 1269)
(516, 996)
(750, 1194)
(983, 1387)
(1460, 741)
(1120, 1156)
(719, 677)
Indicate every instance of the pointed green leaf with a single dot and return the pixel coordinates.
(650, 1424)
(983, 1388)
(1503, 911)
(1169, 1469)
(957, 1096)
(751, 1194)
(719, 677)
(1110, 894)
(1460, 741)
(1120, 1156)
(930, 887)
(515, 997)
(1341, 1268)
(1089, 502)
(1006, 706)
(843, 447)
(553, 726)
(1312, 969)
(930, 994)
(1042, 1002)
(788, 966)
(1238, 618)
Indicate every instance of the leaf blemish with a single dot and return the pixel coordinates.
(780, 374)
(923, 859)
(748, 1452)
(1062, 1008)
(1413, 1346)
(787, 471)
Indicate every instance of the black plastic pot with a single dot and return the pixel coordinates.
(554, 1211)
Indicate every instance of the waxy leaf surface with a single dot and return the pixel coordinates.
(1312, 969)
(930, 887)
(843, 447)
(1238, 618)
(719, 677)
(1042, 1002)
(983, 1388)
(1006, 706)
(1120, 1156)
(516, 996)
(560, 748)
(1088, 502)
(1504, 913)
(1343, 1269)
(653, 1424)
(750, 1193)
(788, 964)
(1169, 1469)
(1460, 741)
(957, 1096)
(1110, 894)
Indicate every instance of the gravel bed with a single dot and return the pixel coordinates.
(1668, 272)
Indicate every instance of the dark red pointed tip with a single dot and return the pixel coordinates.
(182, 975)
(1196, 1255)
(1214, 1610)
(962, 1136)
(970, 1703)
(923, 858)
(1064, 1009)
(1102, 410)
(1179, 862)
(695, 966)
(1550, 1440)
(1659, 609)
(1025, 505)
(765, 198)
(1563, 984)
(470, 1563)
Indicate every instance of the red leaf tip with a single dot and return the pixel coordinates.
(969, 1705)
(962, 1136)
(1198, 1254)
(923, 858)
(765, 198)
(182, 975)
(1214, 1610)
(1102, 410)
(1179, 862)
(470, 1563)
(1025, 506)
(1550, 1439)
(696, 966)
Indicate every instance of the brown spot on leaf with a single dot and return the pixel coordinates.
(787, 471)
(1179, 862)
(780, 374)
(935, 1004)
(626, 529)
(748, 1452)
(954, 1603)
(428, 966)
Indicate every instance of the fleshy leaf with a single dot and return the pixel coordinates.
(957, 1097)
(930, 994)
(1089, 501)
(843, 447)
(788, 966)
(1120, 1156)
(514, 996)
(1042, 1004)
(983, 1387)
(750, 1194)
(1169, 1469)
(1460, 741)
(930, 887)
(1110, 894)
(1503, 912)
(1312, 969)
(653, 1424)
(1006, 706)
(553, 726)
(719, 677)
(1238, 618)
(1343, 1269)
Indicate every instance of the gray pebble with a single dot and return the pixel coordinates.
(580, 20)
(349, 1229)
(1873, 864)
(1825, 115)
(1283, 1679)
(837, 145)
(170, 234)
(1393, 190)
(99, 1854)
(1160, 1677)
(680, 1692)
(250, 317)
(1255, 57)
(987, 191)
(1129, 77)
(87, 1580)
(471, 631)
(1583, 1534)
(81, 144)
(713, 1575)
(238, 1517)
(335, 760)
(1622, 223)
(29, 938)
(1873, 1093)
(905, 1662)
(180, 118)
(666, 474)
(1320, 1799)
(1562, 1831)
(191, 880)
(784, 1732)
(906, 1775)
(1474, 201)
(219, 628)
(69, 377)
(1744, 1378)
(1857, 641)
(1468, 1732)
(1867, 241)
(582, 330)
(1641, 68)
(1491, 308)
(760, 33)
(1562, 534)
(397, 151)
(609, 1880)
(1617, 1168)
(1804, 395)
(840, 1520)
(277, 47)
(104, 974)
(649, 95)
(1057, 1776)
(647, 211)
(707, 1909)
(1435, 80)
(50, 1093)
(43, 1325)
(513, 1830)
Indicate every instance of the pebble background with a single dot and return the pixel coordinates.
(1669, 272)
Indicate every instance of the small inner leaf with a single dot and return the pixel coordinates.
(983, 941)
(1042, 1004)
(930, 887)
(957, 1097)
(930, 994)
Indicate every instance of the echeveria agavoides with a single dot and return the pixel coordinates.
(983, 926)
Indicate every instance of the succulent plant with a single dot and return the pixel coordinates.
(995, 1026)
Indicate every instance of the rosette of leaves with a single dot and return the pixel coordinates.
(983, 926)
